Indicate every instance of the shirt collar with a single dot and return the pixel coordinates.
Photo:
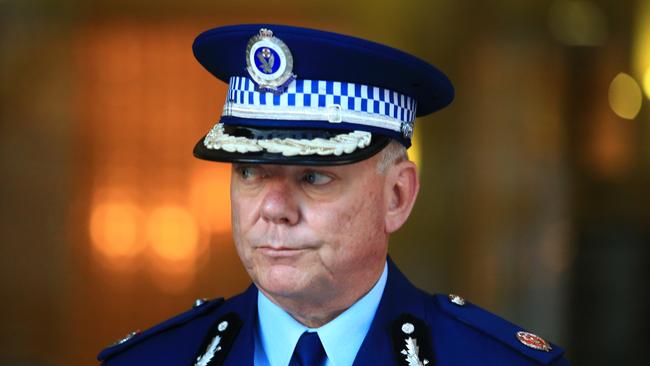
(341, 338)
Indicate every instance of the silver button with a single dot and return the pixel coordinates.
(407, 129)
(408, 328)
(456, 300)
(199, 303)
(222, 326)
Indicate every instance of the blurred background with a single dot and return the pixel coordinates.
(535, 182)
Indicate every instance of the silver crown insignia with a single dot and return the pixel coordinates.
(266, 33)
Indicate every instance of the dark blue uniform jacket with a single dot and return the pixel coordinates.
(446, 334)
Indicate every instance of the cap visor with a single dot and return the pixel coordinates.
(377, 143)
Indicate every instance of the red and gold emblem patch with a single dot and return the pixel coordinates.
(533, 341)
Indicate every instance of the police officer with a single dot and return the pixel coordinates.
(316, 126)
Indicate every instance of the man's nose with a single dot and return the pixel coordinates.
(279, 205)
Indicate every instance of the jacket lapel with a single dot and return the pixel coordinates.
(243, 349)
(399, 297)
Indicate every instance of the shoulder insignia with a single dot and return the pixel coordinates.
(533, 341)
(502, 330)
(217, 343)
(411, 341)
(136, 337)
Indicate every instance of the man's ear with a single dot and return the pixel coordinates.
(402, 186)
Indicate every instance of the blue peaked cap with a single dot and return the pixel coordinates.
(335, 91)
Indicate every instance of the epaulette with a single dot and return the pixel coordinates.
(200, 307)
(511, 335)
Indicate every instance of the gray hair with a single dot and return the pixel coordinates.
(393, 153)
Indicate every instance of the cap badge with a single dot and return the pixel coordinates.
(533, 341)
(269, 62)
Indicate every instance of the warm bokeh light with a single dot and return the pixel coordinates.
(172, 233)
(625, 96)
(209, 196)
(114, 229)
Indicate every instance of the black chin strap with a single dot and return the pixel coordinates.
(270, 133)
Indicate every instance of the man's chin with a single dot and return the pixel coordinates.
(282, 280)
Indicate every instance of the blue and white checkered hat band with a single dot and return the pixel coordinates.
(320, 100)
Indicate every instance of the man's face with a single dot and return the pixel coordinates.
(310, 233)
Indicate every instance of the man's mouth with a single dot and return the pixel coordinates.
(281, 251)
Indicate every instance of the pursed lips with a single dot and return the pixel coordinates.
(281, 251)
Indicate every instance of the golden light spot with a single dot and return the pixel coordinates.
(646, 82)
(172, 233)
(114, 229)
(625, 96)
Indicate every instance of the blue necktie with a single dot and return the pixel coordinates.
(309, 351)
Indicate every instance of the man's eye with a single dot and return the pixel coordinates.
(248, 172)
(316, 178)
